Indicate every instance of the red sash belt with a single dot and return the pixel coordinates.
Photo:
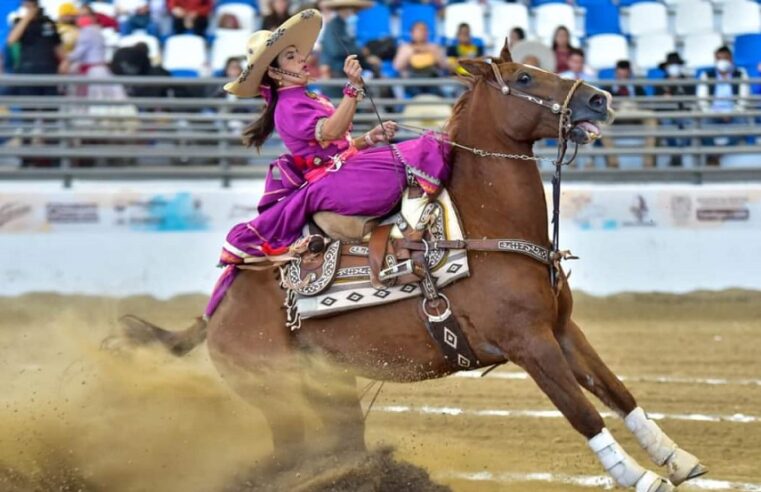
(315, 167)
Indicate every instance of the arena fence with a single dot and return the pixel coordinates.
(196, 132)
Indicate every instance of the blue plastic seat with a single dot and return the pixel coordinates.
(748, 49)
(606, 74)
(653, 74)
(601, 17)
(411, 13)
(373, 23)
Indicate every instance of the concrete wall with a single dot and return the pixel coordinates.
(163, 238)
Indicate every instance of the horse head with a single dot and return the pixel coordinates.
(529, 102)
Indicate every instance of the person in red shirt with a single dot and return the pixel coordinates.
(190, 15)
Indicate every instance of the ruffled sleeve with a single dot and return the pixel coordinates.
(301, 119)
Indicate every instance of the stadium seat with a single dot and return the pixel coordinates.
(154, 48)
(411, 13)
(469, 13)
(245, 14)
(252, 3)
(551, 15)
(606, 74)
(601, 17)
(748, 49)
(648, 17)
(373, 23)
(654, 74)
(693, 17)
(185, 55)
(651, 49)
(227, 44)
(104, 8)
(698, 49)
(604, 50)
(50, 7)
(504, 17)
(745, 18)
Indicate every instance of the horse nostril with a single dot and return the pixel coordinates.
(597, 102)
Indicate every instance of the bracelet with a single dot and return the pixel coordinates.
(369, 140)
(350, 90)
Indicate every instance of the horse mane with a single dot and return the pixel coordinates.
(452, 126)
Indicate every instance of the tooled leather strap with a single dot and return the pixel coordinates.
(377, 253)
(538, 253)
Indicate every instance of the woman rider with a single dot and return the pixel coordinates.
(326, 169)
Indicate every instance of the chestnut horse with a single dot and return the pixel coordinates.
(507, 307)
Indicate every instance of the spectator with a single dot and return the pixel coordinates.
(673, 69)
(728, 94)
(228, 21)
(280, 11)
(133, 61)
(190, 15)
(532, 60)
(577, 70)
(339, 38)
(517, 34)
(624, 87)
(67, 26)
(561, 46)
(420, 59)
(464, 46)
(138, 17)
(39, 47)
(103, 20)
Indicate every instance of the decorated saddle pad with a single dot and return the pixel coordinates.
(351, 289)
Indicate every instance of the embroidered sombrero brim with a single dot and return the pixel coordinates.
(300, 31)
(343, 4)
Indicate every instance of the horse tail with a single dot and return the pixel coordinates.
(141, 332)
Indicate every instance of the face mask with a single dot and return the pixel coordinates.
(723, 66)
(351, 25)
(674, 70)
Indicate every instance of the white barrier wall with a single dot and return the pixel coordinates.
(164, 238)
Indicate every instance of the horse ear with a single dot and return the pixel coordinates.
(473, 67)
(505, 55)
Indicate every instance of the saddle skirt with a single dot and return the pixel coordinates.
(341, 279)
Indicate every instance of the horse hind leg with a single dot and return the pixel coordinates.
(592, 373)
(541, 356)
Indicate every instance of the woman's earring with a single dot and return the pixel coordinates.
(280, 83)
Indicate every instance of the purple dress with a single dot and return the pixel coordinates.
(324, 176)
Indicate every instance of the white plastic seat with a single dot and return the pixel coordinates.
(604, 50)
(740, 17)
(698, 49)
(104, 8)
(693, 17)
(651, 49)
(469, 13)
(185, 53)
(154, 48)
(227, 44)
(550, 16)
(49, 6)
(504, 17)
(648, 17)
(245, 14)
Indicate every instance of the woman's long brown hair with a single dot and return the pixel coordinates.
(257, 132)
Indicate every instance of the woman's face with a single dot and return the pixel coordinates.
(561, 37)
(292, 61)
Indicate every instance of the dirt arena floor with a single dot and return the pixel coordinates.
(77, 414)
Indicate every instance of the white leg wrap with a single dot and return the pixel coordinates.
(652, 439)
(623, 468)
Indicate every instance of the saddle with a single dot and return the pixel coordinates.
(347, 263)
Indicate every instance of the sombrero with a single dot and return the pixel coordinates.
(300, 31)
(346, 4)
(531, 48)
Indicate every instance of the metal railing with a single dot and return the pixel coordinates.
(74, 137)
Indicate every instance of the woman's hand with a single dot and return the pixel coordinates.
(353, 71)
(381, 132)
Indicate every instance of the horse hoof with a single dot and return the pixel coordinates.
(650, 482)
(683, 466)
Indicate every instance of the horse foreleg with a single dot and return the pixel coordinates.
(332, 393)
(541, 356)
(592, 373)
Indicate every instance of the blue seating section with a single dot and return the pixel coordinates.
(411, 13)
(373, 23)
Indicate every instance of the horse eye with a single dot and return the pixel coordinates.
(524, 78)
